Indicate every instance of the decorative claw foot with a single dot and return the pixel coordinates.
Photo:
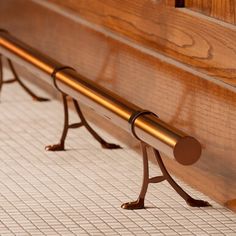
(40, 99)
(138, 204)
(197, 203)
(55, 147)
(110, 145)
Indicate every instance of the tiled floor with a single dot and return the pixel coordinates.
(79, 192)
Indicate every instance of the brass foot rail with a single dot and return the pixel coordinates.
(144, 125)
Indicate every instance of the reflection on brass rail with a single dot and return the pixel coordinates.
(148, 128)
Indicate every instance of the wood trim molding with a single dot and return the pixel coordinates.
(203, 45)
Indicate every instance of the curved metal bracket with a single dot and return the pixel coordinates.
(139, 203)
(18, 80)
(61, 145)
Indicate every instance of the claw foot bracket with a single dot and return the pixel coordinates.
(83, 122)
(139, 203)
(17, 79)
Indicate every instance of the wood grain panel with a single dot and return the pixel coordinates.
(196, 42)
(182, 99)
(221, 9)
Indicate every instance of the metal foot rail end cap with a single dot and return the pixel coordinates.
(187, 150)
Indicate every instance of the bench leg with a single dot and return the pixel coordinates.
(17, 79)
(61, 145)
(139, 203)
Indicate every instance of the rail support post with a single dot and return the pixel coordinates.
(17, 79)
(83, 122)
(139, 203)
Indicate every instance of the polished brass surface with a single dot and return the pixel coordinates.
(150, 129)
(26, 56)
(185, 149)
